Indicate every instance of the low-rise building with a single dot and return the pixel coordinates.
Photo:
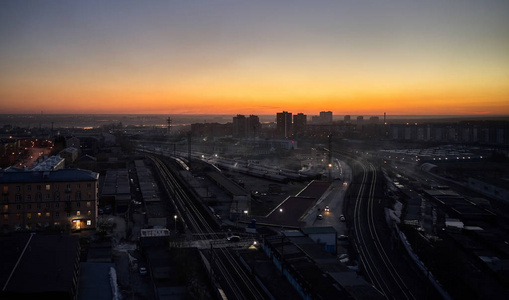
(65, 198)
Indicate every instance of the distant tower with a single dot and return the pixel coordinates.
(326, 117)
(284, 124)
(385, 118)
(299, 123)
(239, 125)
(168, 130)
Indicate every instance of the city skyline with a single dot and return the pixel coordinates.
(237, 57)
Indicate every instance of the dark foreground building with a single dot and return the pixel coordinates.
(38, 266)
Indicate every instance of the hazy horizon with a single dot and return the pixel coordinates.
(97, 120)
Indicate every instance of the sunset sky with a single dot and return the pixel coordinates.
(255, 57)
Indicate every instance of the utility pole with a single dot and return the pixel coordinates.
(189, 148)
(330, 157)
(168, 130)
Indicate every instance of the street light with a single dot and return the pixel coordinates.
(175, 217)
(280, 210)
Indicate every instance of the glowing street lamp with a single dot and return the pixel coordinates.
(175, 217)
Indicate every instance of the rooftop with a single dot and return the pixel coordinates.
(15, 175)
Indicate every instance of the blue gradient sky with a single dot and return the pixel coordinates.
(225, 56)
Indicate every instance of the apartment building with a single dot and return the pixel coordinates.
(65, 199)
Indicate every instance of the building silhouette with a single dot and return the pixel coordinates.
(246, 127)
(325, 117)
(284, 124)
(299, 123)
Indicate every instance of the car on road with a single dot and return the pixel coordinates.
(327, 209)
(342, 218)
(319, 217)
(143, 271)
(233, 238)
(342, 237)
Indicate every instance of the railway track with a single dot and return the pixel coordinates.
(372, 252)
(234, 279)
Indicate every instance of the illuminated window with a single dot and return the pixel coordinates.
(48, 214)
(29, 216)
(6, 207)
(88, 204)
(39, 215)
(6, 217)
(78, 213)
(89, 222)
(6, 189)
(48, 187)
(89, 212)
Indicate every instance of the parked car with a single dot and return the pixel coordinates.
(327, 208)
(319, 217)
(342, 218)
(342, 237)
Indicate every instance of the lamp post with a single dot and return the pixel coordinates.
(175, 217)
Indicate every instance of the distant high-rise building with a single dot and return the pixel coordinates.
(284, 124)
(246, 127)
(253, 126)
(299, 123)
(239, 126)
(374, 120)
(360, 121)
(326, 117)
(347, 119)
